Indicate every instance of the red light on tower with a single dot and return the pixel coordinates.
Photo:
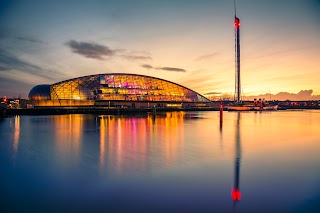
(236, 195)
(236, 22)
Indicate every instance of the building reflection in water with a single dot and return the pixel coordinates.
(117, 145)
(236, 195)
(126, 143)
(16, 135)
(102, 141)
(68, 137)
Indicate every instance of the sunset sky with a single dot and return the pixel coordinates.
(190, 42)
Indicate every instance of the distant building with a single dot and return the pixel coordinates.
(116, 89)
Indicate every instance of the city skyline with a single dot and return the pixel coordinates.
(187, 42)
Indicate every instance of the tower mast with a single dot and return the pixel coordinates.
(237, 93)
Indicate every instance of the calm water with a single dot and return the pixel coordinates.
(177, 162)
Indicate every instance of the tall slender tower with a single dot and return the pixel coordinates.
(237, 93)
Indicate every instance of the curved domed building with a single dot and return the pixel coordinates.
(40, 92)
(116, 87)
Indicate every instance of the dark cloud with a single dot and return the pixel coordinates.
(98, 51)
(206, 57)
(136, 57)
(90, 50)
(10, 62)
(147, 66)
(29, 39)
(7, 33)
(172, 69)
(213, 93)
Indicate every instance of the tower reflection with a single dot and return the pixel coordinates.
(236, 195)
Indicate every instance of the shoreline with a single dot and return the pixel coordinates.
(99, 110)
(119, 111)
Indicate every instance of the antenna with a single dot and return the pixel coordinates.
(235, 11)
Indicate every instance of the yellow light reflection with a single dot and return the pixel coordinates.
(102, 141)
(174, 136)
(119, 144)
(68, 136)
(132, 144)
(16, 135)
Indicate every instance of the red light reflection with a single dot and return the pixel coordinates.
(236, 195)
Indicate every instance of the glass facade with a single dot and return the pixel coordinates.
(40, 92)
(126, 87)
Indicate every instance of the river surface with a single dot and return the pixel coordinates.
(175, 162)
